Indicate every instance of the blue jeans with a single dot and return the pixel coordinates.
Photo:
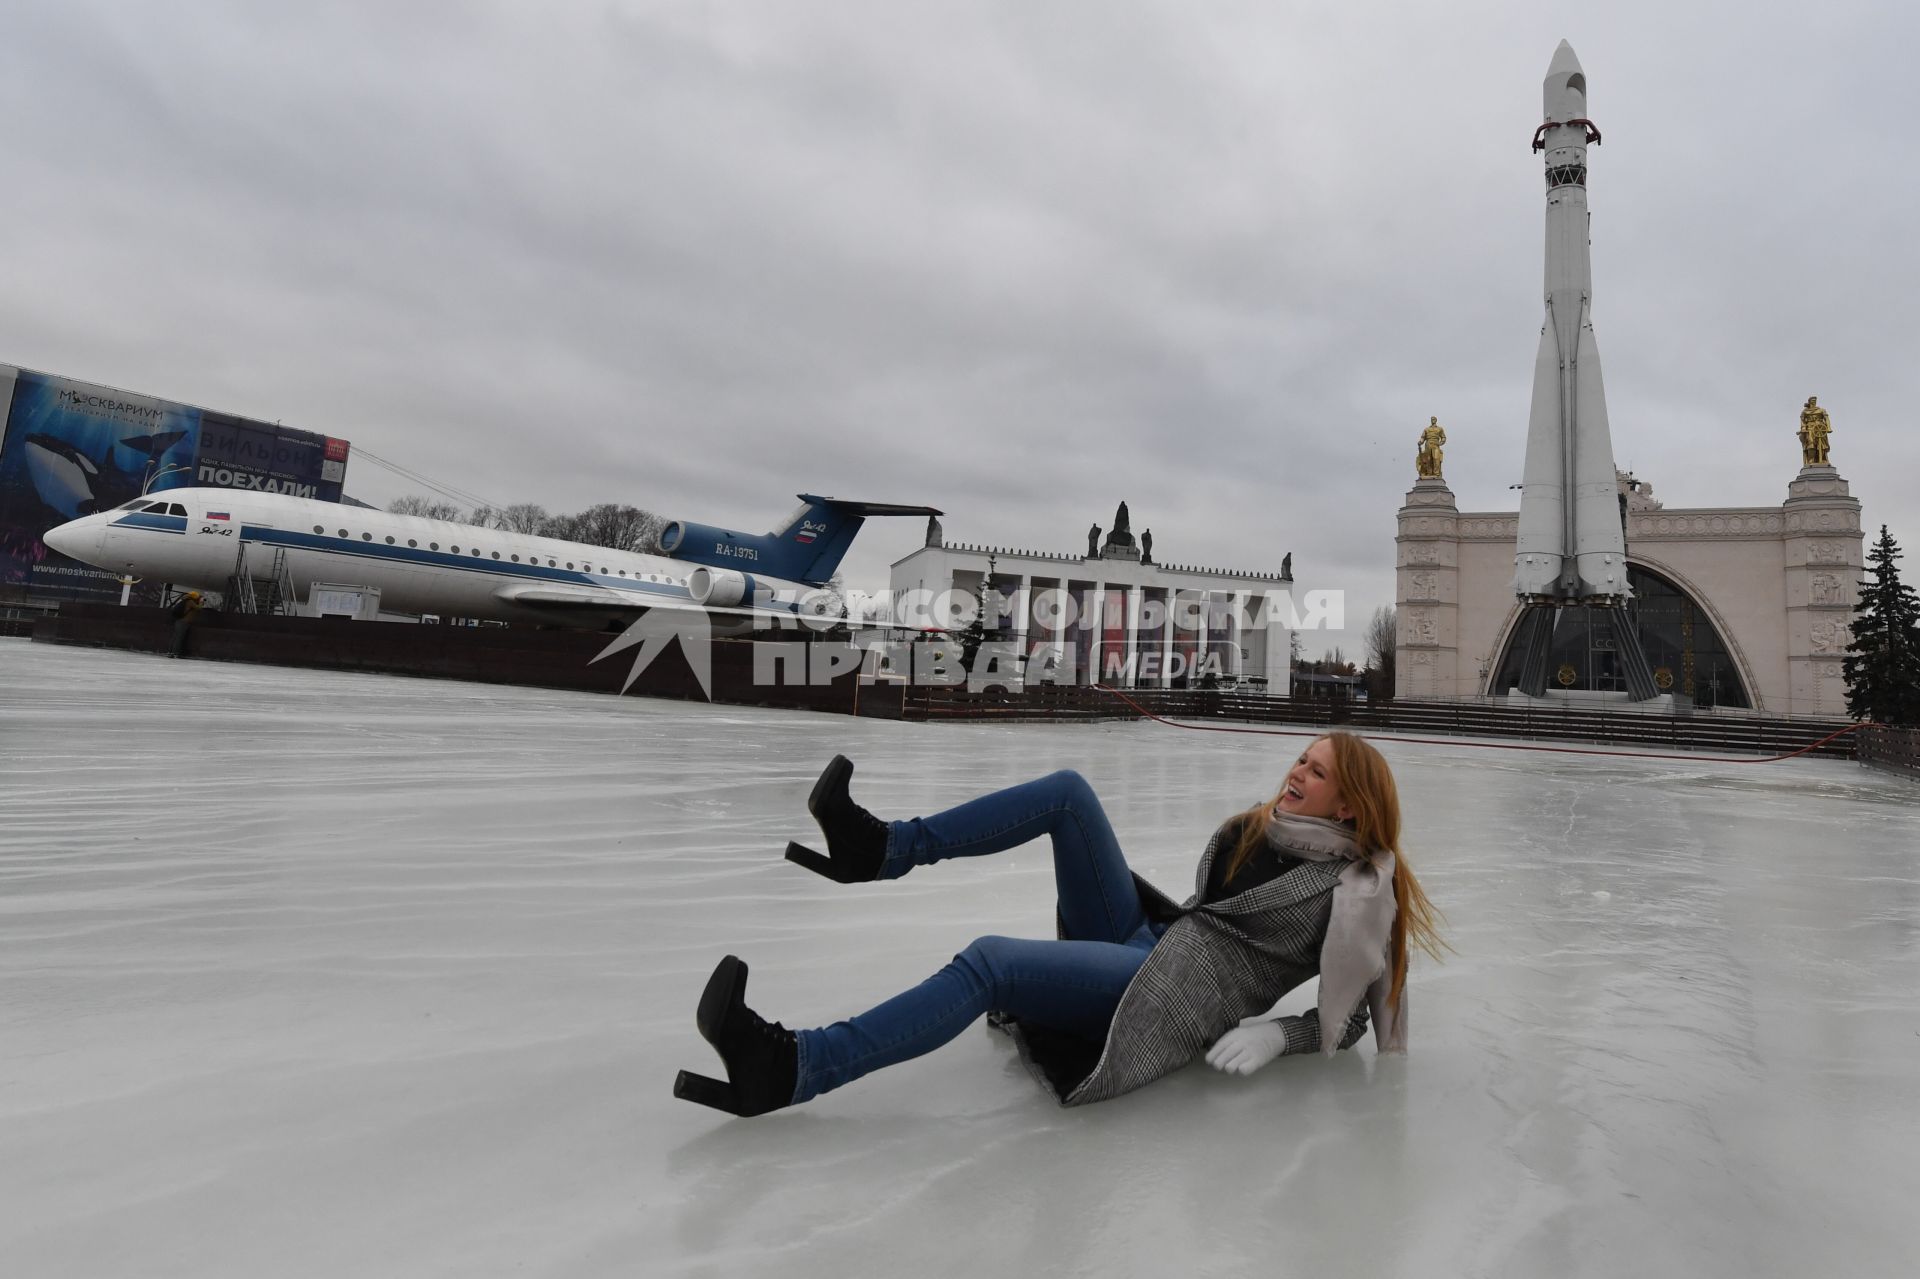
(1072, 986)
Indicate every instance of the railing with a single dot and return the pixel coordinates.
(1528, 721)
(272, 594)
(280, 596)
(1895, 749)
(240, 597)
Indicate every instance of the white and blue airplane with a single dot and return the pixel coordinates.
(200, 538)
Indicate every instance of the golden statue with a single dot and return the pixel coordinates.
(1426, 461)
(1815, 426)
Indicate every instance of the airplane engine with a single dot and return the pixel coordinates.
(726, 588)
(718, 587)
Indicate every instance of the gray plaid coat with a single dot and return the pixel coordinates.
(1217, 963)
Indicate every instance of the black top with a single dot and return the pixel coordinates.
(1266, 864)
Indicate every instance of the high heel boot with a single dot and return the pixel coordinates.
(856, 839)
(762, 1058)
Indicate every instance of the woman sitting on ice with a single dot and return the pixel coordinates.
(1310, 882)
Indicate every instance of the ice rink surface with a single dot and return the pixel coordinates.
(317, 974)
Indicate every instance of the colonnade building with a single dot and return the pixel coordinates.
(1115, 615)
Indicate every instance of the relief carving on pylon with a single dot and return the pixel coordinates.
(1423, 586)
(1423, 553)
(1829, 670)
(1828, 637)
(1826, 552)
(1826, 589)
(1421, 628)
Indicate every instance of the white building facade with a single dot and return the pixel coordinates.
(1116, 617)
(1738, 607)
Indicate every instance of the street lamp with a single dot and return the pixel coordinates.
(165, 470)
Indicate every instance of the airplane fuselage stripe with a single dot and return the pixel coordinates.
(320, 542)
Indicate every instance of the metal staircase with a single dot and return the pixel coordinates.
(270, 594)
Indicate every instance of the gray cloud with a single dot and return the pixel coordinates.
(1018, 261)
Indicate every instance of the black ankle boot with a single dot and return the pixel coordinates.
(856, 839)
(762, 1058)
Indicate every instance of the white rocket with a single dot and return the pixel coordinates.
(1571, 546)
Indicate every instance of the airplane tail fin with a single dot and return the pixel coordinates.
(807, 548)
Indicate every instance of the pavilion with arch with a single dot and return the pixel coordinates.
(1736, 607)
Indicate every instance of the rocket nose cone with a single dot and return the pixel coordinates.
(1563, 94)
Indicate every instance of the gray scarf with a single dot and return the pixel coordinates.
(1353, 957)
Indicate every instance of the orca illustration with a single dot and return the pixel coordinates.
(74, 484)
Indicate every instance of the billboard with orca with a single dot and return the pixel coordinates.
(71, 448)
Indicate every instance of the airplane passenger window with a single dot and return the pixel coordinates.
(411, 542)
(319, 528)
(389, 539)
(569, 563)
(516, 559)
(343, 532)
(434, 546)
(496, 555)
(366, 537)
(623, 572)
(456, 550)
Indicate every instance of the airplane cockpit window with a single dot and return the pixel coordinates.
(176, 509)
(137, 504)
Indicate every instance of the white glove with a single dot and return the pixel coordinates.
(1245, 1049)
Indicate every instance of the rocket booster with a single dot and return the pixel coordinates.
(1571, 546)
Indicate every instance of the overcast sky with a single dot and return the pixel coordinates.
(1015, 260)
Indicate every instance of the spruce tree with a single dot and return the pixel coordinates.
(1882, 666)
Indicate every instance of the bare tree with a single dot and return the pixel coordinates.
(619, 527)
(484, 517)
(522, 517)
(564, 527)
(426, 508)
(1382, 634)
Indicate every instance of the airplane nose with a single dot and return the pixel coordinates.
(78, 540)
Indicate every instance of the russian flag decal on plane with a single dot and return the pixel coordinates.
(808, 531)
(216, 515)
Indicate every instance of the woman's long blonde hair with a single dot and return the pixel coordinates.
(1367, 791)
